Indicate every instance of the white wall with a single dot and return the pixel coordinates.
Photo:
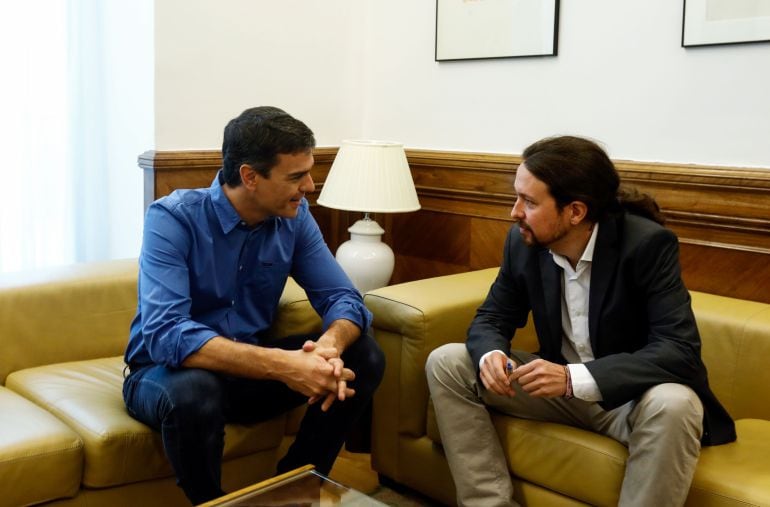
(365, 68)
(620, 77)
(214, 59)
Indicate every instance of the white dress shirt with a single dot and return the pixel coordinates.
(576, 341)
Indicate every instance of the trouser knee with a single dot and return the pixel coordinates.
(196, 395)
(444, 359)
(675, 405)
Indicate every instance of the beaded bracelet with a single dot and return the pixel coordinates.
(568, 392)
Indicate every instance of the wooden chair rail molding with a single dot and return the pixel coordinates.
(721, 214)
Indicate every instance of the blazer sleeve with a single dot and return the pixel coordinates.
(506, 306)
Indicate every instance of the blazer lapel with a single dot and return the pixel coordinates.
(606, 254)
(550, 273)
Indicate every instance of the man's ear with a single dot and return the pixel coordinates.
(577, 212)
(249, 176)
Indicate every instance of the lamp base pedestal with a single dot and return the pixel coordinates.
(365, 258)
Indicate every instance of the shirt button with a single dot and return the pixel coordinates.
(232, 302)
(240, 268)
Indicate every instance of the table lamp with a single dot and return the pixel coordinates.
(370, 177)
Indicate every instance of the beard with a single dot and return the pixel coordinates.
(528, 235)
(531, 239)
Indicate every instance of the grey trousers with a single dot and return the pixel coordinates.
(662, 430)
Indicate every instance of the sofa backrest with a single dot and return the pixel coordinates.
(84, 311)
(736, 349)
(76, 312)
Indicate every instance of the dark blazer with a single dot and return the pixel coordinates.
(642, 328)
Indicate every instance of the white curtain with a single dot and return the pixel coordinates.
(88, 128)
(36, 201)
(54, 117)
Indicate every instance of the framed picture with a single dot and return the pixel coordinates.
(716, 22)
(477, 29)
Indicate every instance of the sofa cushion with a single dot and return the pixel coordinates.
(87, 395)
(735, 474)
(590, 467)
(35, 444)
(736, 344)
(574, 462)
(571, 461)
(69, 313)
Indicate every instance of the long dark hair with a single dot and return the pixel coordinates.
(578, 169)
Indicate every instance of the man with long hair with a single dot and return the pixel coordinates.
(619, 350)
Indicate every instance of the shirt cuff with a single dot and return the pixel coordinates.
(583, 384)
(355, 312)
(481, 361)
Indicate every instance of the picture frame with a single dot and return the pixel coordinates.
(722, 22)
(491, 29)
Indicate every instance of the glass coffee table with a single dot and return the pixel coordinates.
(303, 487)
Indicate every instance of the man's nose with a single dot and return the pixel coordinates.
(516, 211)
(307, 184)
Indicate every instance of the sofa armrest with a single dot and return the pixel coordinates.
(410, 320)
(433, 311)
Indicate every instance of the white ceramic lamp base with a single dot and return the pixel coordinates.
(365, 258)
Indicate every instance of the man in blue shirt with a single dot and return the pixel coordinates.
(213, 265)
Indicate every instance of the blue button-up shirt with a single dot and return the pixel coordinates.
(204, 273)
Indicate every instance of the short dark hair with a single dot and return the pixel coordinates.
(257, 136)
(578, 169)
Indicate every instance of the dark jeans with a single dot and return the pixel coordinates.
(190, 408)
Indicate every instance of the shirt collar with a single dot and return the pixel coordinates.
(228, 218)
(587, 257)
(588, 253)
(223, 208)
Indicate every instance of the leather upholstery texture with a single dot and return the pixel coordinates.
(65, 435)
(40, 456)
(552, 464)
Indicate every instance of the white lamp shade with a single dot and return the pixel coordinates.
(370, 176)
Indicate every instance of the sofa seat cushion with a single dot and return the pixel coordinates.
(737, 473)
(41, 458)
(590, 467)
(87, 395)
(574, 462)
(577, 463)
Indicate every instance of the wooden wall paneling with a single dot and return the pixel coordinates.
(409, 268)
(728, 272)
(429, 242)
(487, 242)
(723, 207)
(166, 171)
(721, 214)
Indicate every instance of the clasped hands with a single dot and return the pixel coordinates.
(538, 378)
(322, 374)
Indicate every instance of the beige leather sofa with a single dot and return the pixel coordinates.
(552, 464)
(65, 436)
